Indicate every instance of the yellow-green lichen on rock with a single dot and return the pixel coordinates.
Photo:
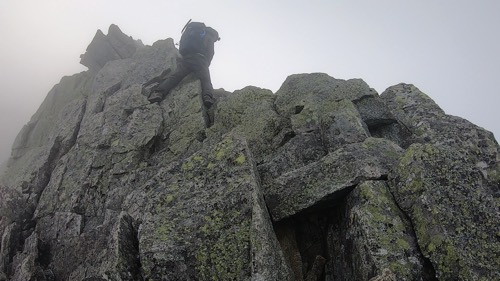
(378, 236)
(250, 113)
(313, 89)
(207, 217)
(440, 191)
(334, 174)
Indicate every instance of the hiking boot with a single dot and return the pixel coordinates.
(155, 97)
(208, 101)
(208, 104)
(210, 115)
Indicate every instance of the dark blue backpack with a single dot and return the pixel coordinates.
(192, 39)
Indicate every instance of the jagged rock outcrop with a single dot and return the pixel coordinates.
(116, 45)
(323, 180)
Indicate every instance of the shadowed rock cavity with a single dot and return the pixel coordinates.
(357, 237)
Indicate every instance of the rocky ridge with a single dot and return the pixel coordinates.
(323, 180)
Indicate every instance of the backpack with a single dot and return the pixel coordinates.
(192, 39)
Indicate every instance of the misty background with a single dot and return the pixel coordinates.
(449, 49)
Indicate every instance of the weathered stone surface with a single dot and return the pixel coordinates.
(184, 121)
(453, 210)
(110, 250)
(380, 121)
(298, 152)
(44, 140)
(317, 90)
(10, 239)
(49, 134)
(373, 111)
(407, 102)
(318, 102)
(25, 265)
(103, 185)
(211, 196)
(250, 111)
(448, 183)
(375, 236)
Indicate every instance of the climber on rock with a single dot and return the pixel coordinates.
(197, 50)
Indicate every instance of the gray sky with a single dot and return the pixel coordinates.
(450, 49)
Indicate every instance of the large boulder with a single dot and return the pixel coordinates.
(331, 177)
(447, 183)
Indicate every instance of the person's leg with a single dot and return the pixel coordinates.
(162, 90)
(199, 66)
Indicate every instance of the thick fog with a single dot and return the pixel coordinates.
(449, 49)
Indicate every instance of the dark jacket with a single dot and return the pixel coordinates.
(211, 37)
(198, 39)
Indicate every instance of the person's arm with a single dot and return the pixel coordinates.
(211, 37)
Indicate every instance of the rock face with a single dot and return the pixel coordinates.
(323, 180)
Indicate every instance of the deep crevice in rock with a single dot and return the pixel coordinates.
(10, 243)
(106, 94)
(298, 109)
(304, 241)
(364, 97)
(333, 199)
(428, 270)
(287, 137)
(304, 238)
(393, 131)
(157, 142)
(136, 270)
(377, 129)
(45, 172)
(74, 136)
(44, 257)
(153, 146)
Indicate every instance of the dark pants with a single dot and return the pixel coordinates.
(196, 64)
